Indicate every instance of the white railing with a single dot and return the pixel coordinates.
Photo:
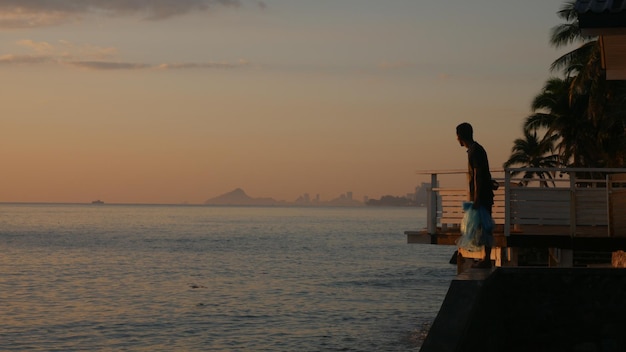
(585, 200)
(444, 205)
(579, 200)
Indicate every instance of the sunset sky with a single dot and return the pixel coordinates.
(160, 101)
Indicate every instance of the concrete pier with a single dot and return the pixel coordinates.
(532, 309)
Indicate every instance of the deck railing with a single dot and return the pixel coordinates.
(579, 201)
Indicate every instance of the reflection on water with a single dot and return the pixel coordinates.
(215, 278)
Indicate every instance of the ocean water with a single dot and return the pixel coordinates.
(199, 278)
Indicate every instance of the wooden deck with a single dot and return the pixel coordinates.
(590, 238)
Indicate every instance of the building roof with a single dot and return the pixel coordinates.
(607, 20)
(600, 6)
(597, 16)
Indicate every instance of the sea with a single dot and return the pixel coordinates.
(106, 277)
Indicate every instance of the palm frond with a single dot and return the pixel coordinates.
(568, 11)
(565, 34)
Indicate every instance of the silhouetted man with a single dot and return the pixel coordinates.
(480, 185)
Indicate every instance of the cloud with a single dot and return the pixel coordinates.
(39, 47)
(92, 57)
(18, 17)
(109, 65)
(42, 13)
(104, 65)
(63, 51)
(209, 65)
(25, 59)
(68, 50)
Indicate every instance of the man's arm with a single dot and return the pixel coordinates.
(476, 190)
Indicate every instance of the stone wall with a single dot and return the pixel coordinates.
(544, 309)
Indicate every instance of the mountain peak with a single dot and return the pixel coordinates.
(239, 197)
(238, 192)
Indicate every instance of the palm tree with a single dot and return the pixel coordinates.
(535, 153)
(578, 102)
(564, 122)
(583, 111)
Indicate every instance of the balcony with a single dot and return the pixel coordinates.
(580, 209)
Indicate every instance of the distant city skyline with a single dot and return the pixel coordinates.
(418, 195)
(239, 196)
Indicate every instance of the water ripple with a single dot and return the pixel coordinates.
(215, 279)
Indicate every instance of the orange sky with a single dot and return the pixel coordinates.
(279, 98)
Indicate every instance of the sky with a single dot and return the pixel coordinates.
(168, 102)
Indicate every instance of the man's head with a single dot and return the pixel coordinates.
(465, 134)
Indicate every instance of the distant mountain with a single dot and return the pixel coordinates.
(239, 197)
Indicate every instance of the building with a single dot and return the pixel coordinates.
(607, 20)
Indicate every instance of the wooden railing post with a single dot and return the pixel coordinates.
(507, 202)
(609, 185)
(431, 210)
(572, 204)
